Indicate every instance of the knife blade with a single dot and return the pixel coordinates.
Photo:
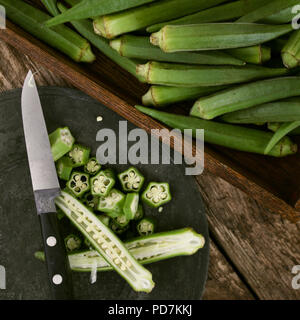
(45, 188)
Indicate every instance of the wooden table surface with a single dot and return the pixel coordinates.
(253, 250)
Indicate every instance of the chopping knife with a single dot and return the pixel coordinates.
(45, 188)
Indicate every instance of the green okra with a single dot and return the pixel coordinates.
(283, 131)
(256, 54)
(90, 200)
(157, 194)
(131, 204)
(138, 47)
(79, 183)
(110, 26)
(106, 243)
(226, 135)
(278, 111)
(221, 13)
(291, 51)
(102, 183)
(85, 28)
(246, 96)
(148, 249)
(94, 8)
(181, 75)
(274, 126)
(271, 11)
(162, 96)
(79, 155)
(64, 167)
(216, 36)
(61, 141)
(117, 229)
(146, 226)
(104, 219)
(72, 243)
(92, 167)
(283, 16)
(131, 180)
(51, 6)
(112, 203)
(122, 221)
(140, 213)
(61, 37)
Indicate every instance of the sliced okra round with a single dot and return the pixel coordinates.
(131, 180)
(115, 227)
(90, 200)
(64, 167)
(140, 213)
(122, 220)
(146, 227)
(157, 194)
(102, 183)
(92, 167)
(79, 155)
(72, 242)
(61, 141)
(79, 183)
(131, 205)
(113, 202)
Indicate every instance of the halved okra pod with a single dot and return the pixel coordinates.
(157, 194)
(79, 183)
(61, 141)
(146, 227)
(105, 243)
(93, 8)
(226, 135)
(148, 249)
(138, 47)
(256, 54)
(112, 203)
(85, 28)
(161, 96)
(291, 51)
(110, 26)
(92, 167)
(278, 111)
(61, 37)
(221, 13)
(131, 180)
(64, 167)
(72, 243)
(102, 183)
(169, 74)
(131, 205)
(79, 155)
(216, 36)
(246, 96)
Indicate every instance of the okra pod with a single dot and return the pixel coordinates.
(274, 126)
(131, 204)
(256, 54)
(110, 26)
(85, 28)
(94, 8)
(105, 243)
(216, 36)
(79, 155)
(137, 47)
(148, 249)
(61, 37)
(161, 96)
(61, 141)
(64, 167)
(92, 167)
(180, 75)
(283, 131)
(226, 135)
(131, 180)
(157, 194)
(270, 10)
(112, 203)
(102, 183)
(51, 6)
(122, 221)
(246, 96)
(79, 183)
(221, 13)
(283, 16)
(291, 51)
(278, 111)
(146, 226)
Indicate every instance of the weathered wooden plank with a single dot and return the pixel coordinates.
(261, 245)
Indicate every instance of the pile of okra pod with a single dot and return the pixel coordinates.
(235, 62)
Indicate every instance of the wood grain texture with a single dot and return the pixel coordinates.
(223, 281)
(119, 91)
(262, 246)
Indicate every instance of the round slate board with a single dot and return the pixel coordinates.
(20, 236)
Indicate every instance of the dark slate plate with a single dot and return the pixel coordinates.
(20, 237)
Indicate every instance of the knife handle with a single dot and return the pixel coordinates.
(56, 258)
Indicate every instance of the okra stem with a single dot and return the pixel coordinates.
(226, 135)
(291, 51)
(110, 26)
(256, 54)
(161, 96)
(180, 75)
(246, 96)
(62, 38)
(147, 249)
(137, 47)
(216, 36)
(93, 8)
(221, 13)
